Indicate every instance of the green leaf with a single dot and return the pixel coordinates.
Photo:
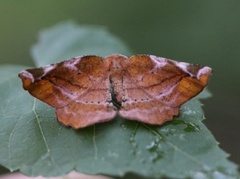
(32, 140)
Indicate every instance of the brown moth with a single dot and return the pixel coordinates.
(147, 88)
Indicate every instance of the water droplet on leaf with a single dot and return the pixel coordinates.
(154, 149)
(190, 127)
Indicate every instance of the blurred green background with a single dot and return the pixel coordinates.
(203, 32)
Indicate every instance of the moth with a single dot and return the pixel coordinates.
(86, 90)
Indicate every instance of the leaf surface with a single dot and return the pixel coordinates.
(67, 40)
(32, 140)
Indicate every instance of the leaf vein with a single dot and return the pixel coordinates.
(176, 149)
(43, 136)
